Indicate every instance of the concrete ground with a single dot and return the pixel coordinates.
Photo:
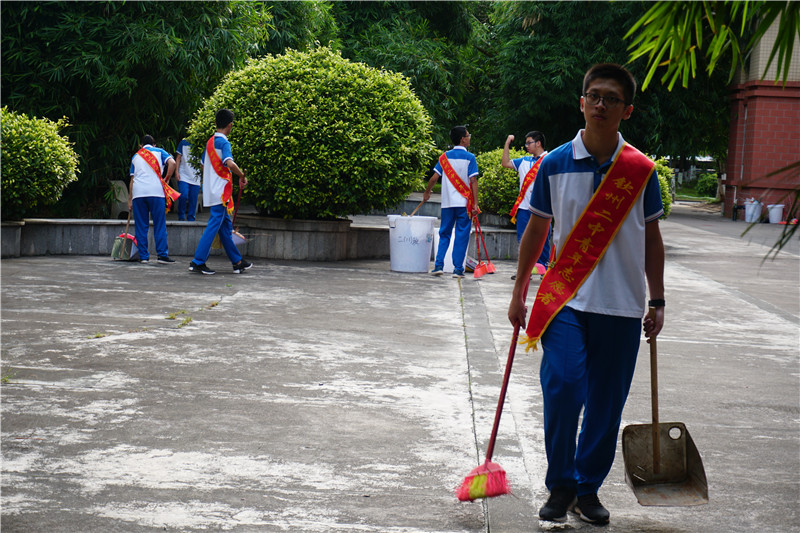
(337, 397)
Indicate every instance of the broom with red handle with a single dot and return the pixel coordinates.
(489, 479)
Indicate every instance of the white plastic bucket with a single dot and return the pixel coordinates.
(410, 242)
(752, 210)
(775, 213)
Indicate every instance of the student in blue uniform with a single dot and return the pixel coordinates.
(459, 171)
(146, 198)
(591, 344)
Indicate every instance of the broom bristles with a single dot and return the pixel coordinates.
(486, 481)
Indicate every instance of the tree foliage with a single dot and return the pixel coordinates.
(120, 70)
(671, 34)
(299, 26)
(38, 163)
(428, 42)
(732, 29)
(540, 68)
(320, 136)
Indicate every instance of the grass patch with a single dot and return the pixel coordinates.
(688, 192)
(176, 314)
(185, 322)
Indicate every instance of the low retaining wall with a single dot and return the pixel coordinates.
(302, 240)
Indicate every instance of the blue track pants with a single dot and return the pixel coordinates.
(458, 217)
(587, 365)
(187, 203)
(143, 208)
(219, 223)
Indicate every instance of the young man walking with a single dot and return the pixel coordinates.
(604, 197)
(459, 199)
(218, 170)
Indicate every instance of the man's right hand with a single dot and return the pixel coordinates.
(517, 311)
(509, 139)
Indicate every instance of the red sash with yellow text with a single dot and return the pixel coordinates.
(223, 172)
(526, 183)
(170, 194)
(590, 237)
(462, 188)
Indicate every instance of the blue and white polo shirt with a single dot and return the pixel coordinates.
(466, 166)
(566, 181)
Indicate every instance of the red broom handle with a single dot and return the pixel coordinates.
(480, 232)
(511, 351)
(477, 243)
(506, 377)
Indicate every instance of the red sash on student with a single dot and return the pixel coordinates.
(223, 172)
(170, 194)
(526, 183)
(589, 238)
(462, 188)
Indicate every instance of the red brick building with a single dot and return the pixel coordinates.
(764, 134)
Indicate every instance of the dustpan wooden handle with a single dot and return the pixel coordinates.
(416, 208)
(654, 399)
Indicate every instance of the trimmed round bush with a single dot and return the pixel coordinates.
(707, 185)
(665, 175)
(498, 187)
(38, 163)
(321, 137)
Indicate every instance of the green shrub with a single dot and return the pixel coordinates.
(498, 187)
(319, 136)
(38, 163)
(707, 185)
(665, 175)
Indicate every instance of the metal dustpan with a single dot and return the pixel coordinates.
(124, 246)
(662, 464)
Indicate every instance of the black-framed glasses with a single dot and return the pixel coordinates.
(608, 101)
(530, 142)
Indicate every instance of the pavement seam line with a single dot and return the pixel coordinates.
(484, 504)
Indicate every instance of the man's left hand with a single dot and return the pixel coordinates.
(653, 323)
